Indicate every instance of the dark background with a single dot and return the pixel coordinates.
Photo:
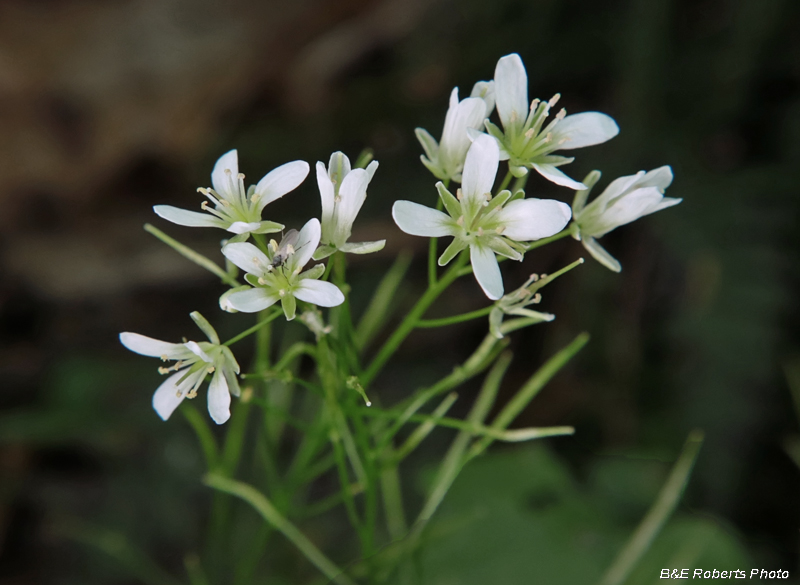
(107, 108)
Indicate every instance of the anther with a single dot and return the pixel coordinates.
(500, 230)
(204, 205)
(240, 176)
(460, 220)
(282, 293)
(337, 199)
(163, 371)
(549, 137)
(261, 281)
(554, 100)
(537, 298)
(480, 231)
(562, 113)
(459, 194)
(529, 133)
(164, 358)
(535, 103)
(228, 172)
(210, 369)
(514, 116)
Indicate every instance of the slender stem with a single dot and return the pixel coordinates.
(263, 323)
(544, 241)
(432, 250)
(444, 321)
(410, 321)
(267, 511)
(659, 513)
(204, 435)
(190, 254)
(506, 181)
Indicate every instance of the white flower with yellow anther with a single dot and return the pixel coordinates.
(485, 225)
(343, 191)
(623, 201)
(193, 362)
(525, 141)
(445, 159)
(235, 209)
(277, 275)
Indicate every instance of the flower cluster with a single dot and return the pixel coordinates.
(274, 271)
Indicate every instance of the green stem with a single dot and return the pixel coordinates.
(444, 321)
(410, 321)
(266, 321)
(204, 435)
(544, 241)
(432, 250)
(190, 254)
(531, 388)
(506, 181)
(657, 516)
(267, 511)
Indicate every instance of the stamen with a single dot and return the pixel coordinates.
(164, 358)
(548, 138)
(562, 113)
(554, 100)
(261, 281)
(282, 293)
(537, 298)
(500, 230)
(480, 231)
(192, 394)
(535, 104)
(337, 199)
(459, 194)
(210, 369)
(163, 371)
(529, 133)
(256, 260)
(460, 220)
(273, 246)
(514, 116)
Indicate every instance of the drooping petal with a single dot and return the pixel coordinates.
(418, 220)
(168, 395)
(511, 91)
(253, 300)
(363, 247)
(552, 173)
(487, 271)
(532, 219)
(600, 254)
(480, 168)
(224, 176)
(148, 346)
(219, 398)
(280, 181)
(188, 218)
(307, 242)
(586, 129)
(625, 209)
(319, 292)
(247, 257)
(242, 227)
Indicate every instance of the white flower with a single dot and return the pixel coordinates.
(193, 361)
(236, 210)
(623, 201)
(343, 191)
(277, 276)
(525, 141)
(445, 159)
(484, 224)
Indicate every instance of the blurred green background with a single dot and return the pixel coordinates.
(109, 108)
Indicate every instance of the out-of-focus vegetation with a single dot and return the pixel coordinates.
(692, 334)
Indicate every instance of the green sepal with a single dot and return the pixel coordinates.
(205, 327)
(269, 227)
(504, 247)
(323, 252)
(314, 273)
(435, 170)
(428, 142)
(252, 279)
(497, 201)
(452, 251)
(579, 202)
(451, 204)
(289, 305)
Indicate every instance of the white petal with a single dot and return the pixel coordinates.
(485, 91)
(469, 113)
(144, 345)
(418, 220)
(307, 242)
(480, 168)
(660, 177)
(326, 194)
(241, 227)
(195, 348)
(584, 129)
(188, 218)
(253, 300)
(339, 165)
(168, 396)
(511, 90)
(487, 271)
(371, 168)
(247, 257)
(319, 292)
(363, 247)
(352, 194)
(599, 253)
(626, 209)
(221, 180)
(552, 173)
(219, 398)
(533, 219)
(280, 181)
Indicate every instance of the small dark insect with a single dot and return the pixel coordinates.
(285, 249)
